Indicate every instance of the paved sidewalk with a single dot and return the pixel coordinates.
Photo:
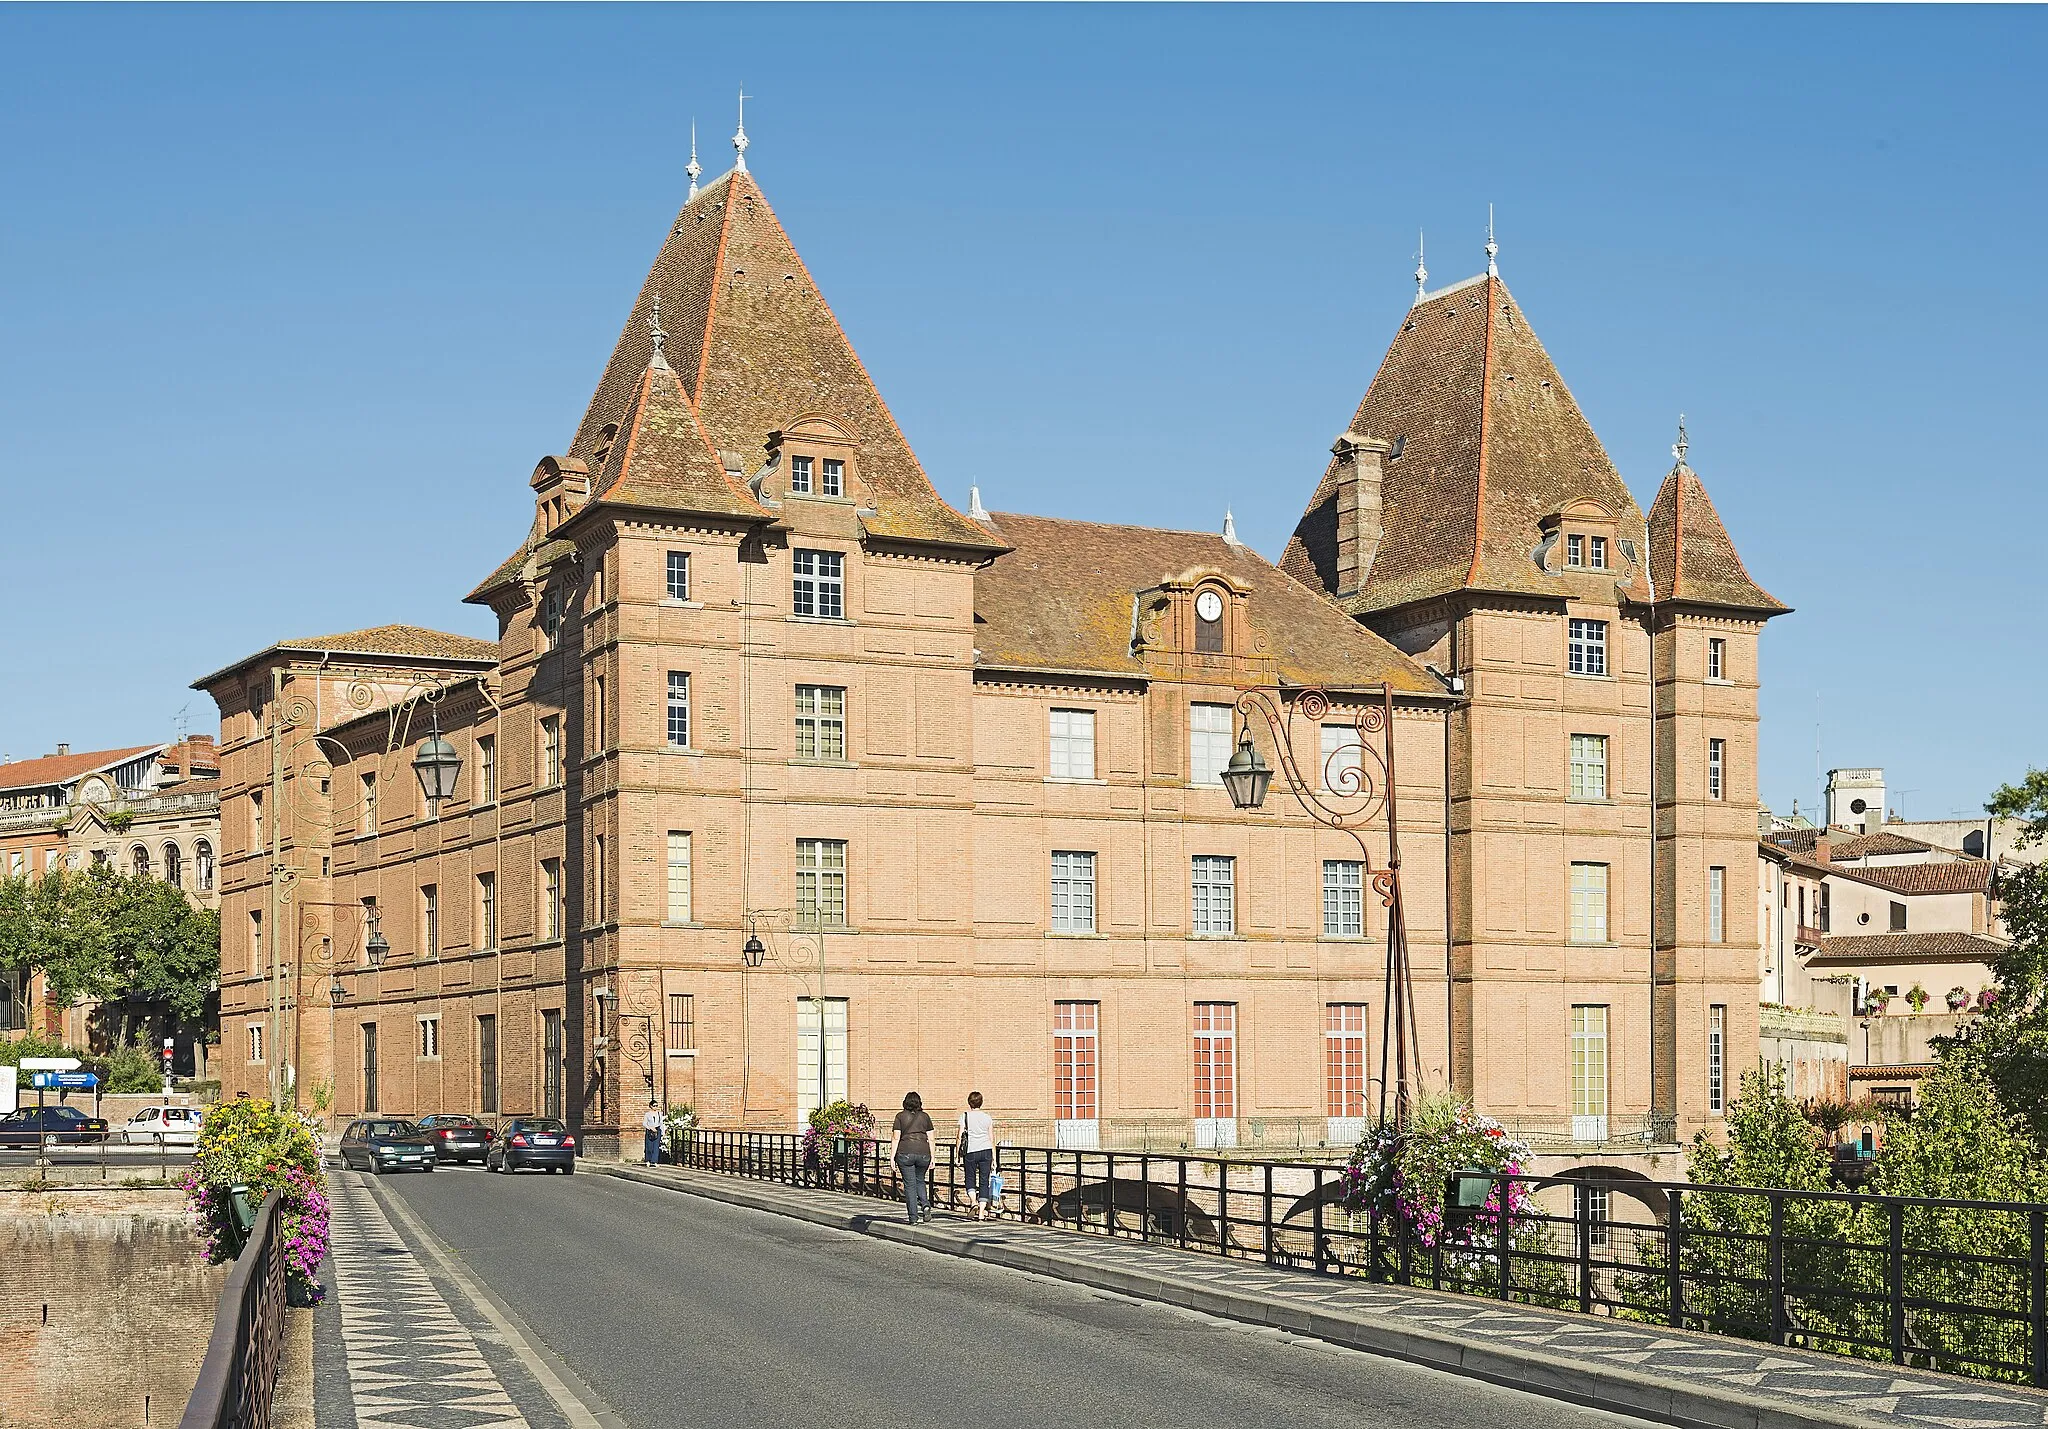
(1674, 1376)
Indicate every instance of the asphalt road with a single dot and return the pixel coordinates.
(681, 1311)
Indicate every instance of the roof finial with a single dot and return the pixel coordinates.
(693, 168)
(654, 330)
(739, 139)
(1230, 528)
(1421, 269)
(1491, 247)
(1680, 447)
(975, 510)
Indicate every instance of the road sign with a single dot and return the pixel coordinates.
(67, 1081)
(49, 1064)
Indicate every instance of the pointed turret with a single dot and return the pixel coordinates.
(1486, 447)
(662, 459)
(1692, 559)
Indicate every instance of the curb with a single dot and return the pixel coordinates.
(1590, 1385)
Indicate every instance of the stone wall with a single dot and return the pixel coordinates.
(106, 1305)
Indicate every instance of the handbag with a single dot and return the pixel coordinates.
(963, 1136)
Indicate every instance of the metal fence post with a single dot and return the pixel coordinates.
(1895, 1278)
(2037, 1294)
(1777, 1268)
(1316, 1229)
(1503, 1243)
(1582, 1212)
(1266, 1221)
(1674, 1249)
(1182, 1163)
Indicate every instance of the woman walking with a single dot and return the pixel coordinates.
(912, 1153)
(978, 1152)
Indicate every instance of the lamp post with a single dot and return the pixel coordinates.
(1351, 794)
(753, 953)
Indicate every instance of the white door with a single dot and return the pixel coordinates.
(811, 1078)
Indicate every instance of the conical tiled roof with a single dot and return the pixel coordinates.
(1491, 443)
(757, 348)
(662, 457)
(1691, 558)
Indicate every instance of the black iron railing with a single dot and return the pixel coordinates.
(1956, 1286)
(239, 1373)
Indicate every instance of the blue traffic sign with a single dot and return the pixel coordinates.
(66, 1081)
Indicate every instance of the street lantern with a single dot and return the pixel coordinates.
(438, 765)
(752, 951)
(1247, 776)
(337, 993)
(376, 945)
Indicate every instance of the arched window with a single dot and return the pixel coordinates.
(174, 866)
(202, 858)
(138, 861)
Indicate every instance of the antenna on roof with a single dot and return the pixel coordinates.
(1421, 270)
(1681, 446)
(975, 510)
(739, 139)
(654, 330)
(693, 168)
(1491, 247)
(1230, 528)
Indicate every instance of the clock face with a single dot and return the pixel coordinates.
(1209, 605)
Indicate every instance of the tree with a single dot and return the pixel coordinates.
(166, 951)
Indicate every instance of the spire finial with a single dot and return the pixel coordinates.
(975, 510)
(1230, 528)
(1680, 447)
(655, 331)
(1421, 269)
(739, 139)
(1491, 247)
(693, 168)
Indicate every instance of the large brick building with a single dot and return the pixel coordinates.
(957, 773)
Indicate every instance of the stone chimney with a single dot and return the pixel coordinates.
(1359, 528)
(1823, 850)
(63, 749)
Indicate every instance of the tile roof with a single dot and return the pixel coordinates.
(1492, 442)
(1963, 876)
(63, 768)
(403, 641)
(1692, 558)
(1867, 948)
(757, 348)
(1063, 598)
(1846, 845)
(663, 458)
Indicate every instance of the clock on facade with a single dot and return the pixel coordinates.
(1209, 605)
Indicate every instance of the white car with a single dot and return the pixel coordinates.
(168, 1125)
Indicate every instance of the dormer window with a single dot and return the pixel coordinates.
(1209, 623)
(800, 475)
(833, 477)
(1585, 553)
(1575, 552)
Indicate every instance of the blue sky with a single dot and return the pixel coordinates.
(293, 299)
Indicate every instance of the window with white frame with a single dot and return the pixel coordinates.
(430, 1037)
(818, 586)
(550, 751)
(1599, 1216)
(1341, 752)
(1717, 659)
(1717, 769)
(255, 1042)
(551, 617)
(821, 722)
(821, 883)
(430, 921)
(678, 876)
(1586, 647)
(551, 899)
(1215, 1061)
(1717, 1053)
(487, 911)
(831, 477)
(1589, 1060)
(1596, 552)
(1589, 903)
(487, 768)
(1073, 892)
(678, 575)
(800, 475)
(1589, 766)
(1215, 893)
(1071, 754)
(1343, 898)
(1344, 1064)
(1075, 1030)
(1208, 743)
(1717, 905)
(678, 709)
(255, 941)
(1574, 552)
(256, 819)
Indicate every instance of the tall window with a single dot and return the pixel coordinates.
(1216, 1069)
(819, 586)
(138, 861)
(599, 889)
(255, 942)
(1717, 905)
(1071, 752)
(678, 877)
(1074, 1031)
(1717, 769)
(821, 882)
(1589, 903)
(550, 751)
(487, 768)
(1073, 892)
(487, 1063)
(678, 709)
(820, 722)
(1589, 1072)
(1717, 1074)
(1898, 911)
(430, 921)
(551, 617)
(430, 1037)
(1574, 551)
(1586, 647)
(1596, 552)
(820, 1053)
(369, 1030)
(1343, 898)
(1341, 751)
(368, 824)
(487, 911)
(1208, 743)
(256, 840)
(678, 575)
(800, 474)
(1215, 900)
(370, 917)
(174, 866)
(551, 899)
(255, 1042)
(1717, 659)
(594, 736)
(1344, 1064)
(1589, 766)
(831, 477)
(202, 864)
(682, 1022)
(551, 1064)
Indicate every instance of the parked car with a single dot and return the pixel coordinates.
(384, 1143)
(26, 1128)
(170, 1125)
(458, 1136)
(541, 1141)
